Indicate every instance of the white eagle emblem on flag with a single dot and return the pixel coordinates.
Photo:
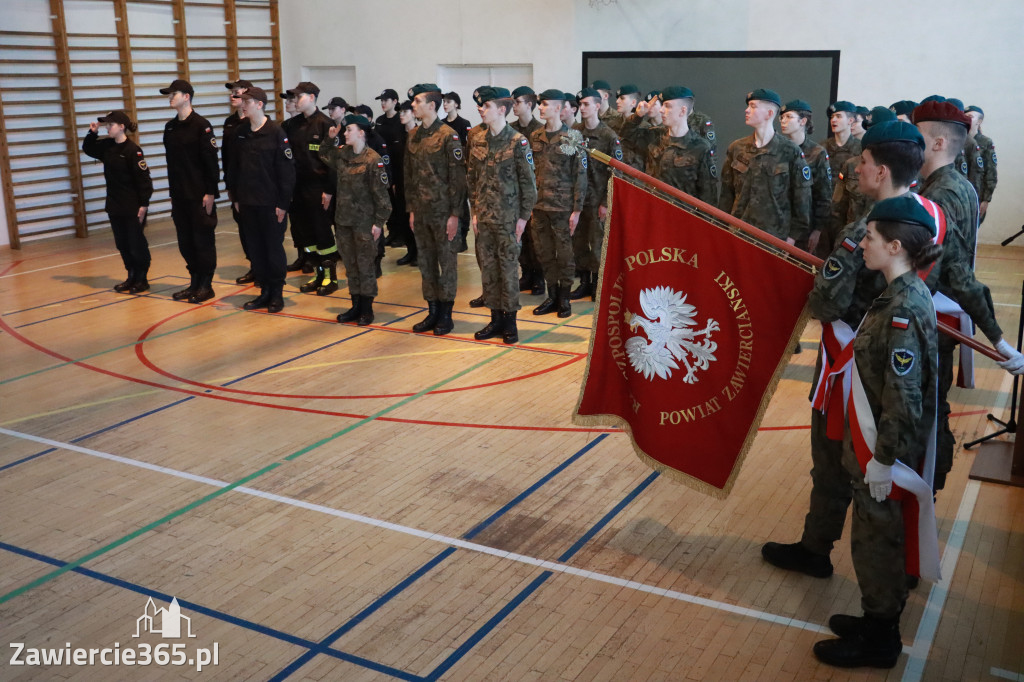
(669, 336)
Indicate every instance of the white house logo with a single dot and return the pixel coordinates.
(164, 622)
(669, 336)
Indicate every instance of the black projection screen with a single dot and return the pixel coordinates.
(721, 80)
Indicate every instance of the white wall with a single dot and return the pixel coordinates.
(889, 50)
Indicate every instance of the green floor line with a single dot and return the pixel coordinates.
(192, 505)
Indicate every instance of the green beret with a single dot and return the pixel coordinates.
(601, 85)
(956, 103)
(485, 93)
(652, 95)
(903, 209)
(763, 95)
(892, 131)
(935, 110)
(588, 92)
(878, 115)
(360, 121)
(796, 105)
(522, 90)
(974, 108)
(905, 107)
(675, 92)
(842, 105)
(863, 111)
(550, 94)
(569, 97)
(628, 89)
(422, 87)
(933, 98)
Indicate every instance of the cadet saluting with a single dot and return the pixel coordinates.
(363, 206)
(129, 188)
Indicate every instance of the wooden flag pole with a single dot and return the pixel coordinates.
(781, 244)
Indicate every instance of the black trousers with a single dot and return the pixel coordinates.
(197, 239)
(238, 222)
(311, 223)
(131, 242)
(265, 237)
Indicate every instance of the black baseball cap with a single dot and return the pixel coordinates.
(387, 93)
(336, 102)
(453, 96)
(304, 88)
(240, 83)
(258, 94)
(116, 116)
(178, 85)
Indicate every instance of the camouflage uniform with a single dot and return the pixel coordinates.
(435, 189)
(529, 254)
(589, 235)
(612, 118)
(769, 187)
(838, 155)
(821, 191)
(988, 155)
(637, 136)
(974, 167)
(502, 190)
(687, 163)
(902, 404)
(848, 202)
(950, 190)
(362, 202)
(561, 188)
(700, 123)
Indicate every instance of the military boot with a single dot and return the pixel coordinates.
(846, 626)
(313, 284)
(186, 293)
(477, 302)
(444, 318)
(205, 290)
(299, 263)
(550, 303)
(247, 278)
(428, 322)
(538, 283)
(564, 304)
(877, 645)
(584, 289)
(124, 286)
(260, 301)
(510, 334)
(365, 311)
(526, 281)
(353, 312)
(276, 302)
(493, 328)
(329, 282)
(796, 557)
(140, 282)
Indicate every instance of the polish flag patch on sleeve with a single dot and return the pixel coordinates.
(849, 245)
(523, 142)
(900, 322)
(380, 164)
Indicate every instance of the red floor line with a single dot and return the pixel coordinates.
(10, 267)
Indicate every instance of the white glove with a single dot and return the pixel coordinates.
(1014, 362)
(878, 479)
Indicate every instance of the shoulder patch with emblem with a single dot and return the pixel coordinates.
(714, 170)
(902, 361)
(213, 142)
(618, 149)
(832, 268)
(457, 153)
(711, 135)
(994, 156)
(583, 160)
(828, 171)
(288, 152)
(981, 162)
(386, 158)
(963, 167)
(807, 173)
(529, 157)
(142, 165)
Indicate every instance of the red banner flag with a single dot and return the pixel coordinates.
(692, 328)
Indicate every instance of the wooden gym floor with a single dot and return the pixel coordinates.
(337, 503)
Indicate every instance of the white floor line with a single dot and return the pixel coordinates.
(109, 255)
(940, 590)
(435, 537)
(1006, 674)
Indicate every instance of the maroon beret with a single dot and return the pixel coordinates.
(940, 111)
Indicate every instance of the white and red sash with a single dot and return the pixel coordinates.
(833, 389)
(949, 311)
(913, 489)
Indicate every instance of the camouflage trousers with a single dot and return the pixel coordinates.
(554, 246)
(528, 253)
(877, 546)
(946, 442)
(588, 240)
(437, 258)
(498, 255)
(831, 490)
(358, 251)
